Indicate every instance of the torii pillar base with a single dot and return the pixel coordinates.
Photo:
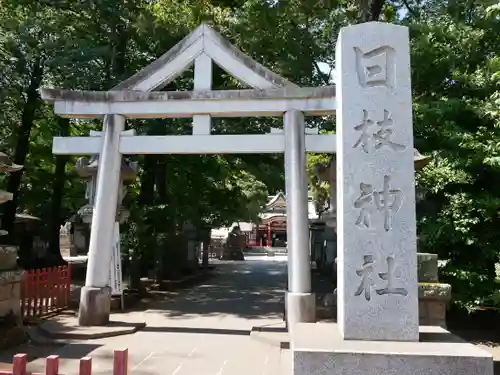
(95, 306)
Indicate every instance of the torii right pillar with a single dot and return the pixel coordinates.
(300, 301)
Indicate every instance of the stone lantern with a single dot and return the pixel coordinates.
(87, 169)
(10, 274)
(191, 236)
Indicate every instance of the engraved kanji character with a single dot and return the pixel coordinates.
(388, 200)
(364, 202)
(369, 139)
(366, 272)
(383, 137)
(389, 277)
(364, 140)
(375, 67)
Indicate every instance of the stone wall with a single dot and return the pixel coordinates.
(10, 294)
(10, 284)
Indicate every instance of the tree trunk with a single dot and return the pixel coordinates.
(146, 196)
(206, 250)
(22, 149)
(54, 250)
(161, 188)
(370, 10)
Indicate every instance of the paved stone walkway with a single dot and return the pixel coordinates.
(205, 330)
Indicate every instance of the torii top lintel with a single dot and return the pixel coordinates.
(203, 40)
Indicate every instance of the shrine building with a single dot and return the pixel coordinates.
(271, 228)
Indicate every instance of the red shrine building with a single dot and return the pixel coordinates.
(271, 229)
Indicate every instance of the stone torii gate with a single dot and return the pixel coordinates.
(135, 97)
(377, 311)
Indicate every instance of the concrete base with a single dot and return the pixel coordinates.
(318, 349)
(300, 308)
(95, 306)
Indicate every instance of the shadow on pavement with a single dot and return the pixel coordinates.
(250, 289)
(196, 330)
(37, 351)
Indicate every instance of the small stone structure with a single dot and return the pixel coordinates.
(433, 296)
(10, 274)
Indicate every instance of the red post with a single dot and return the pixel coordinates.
(20, 361)
(268, 235)
(52, 365)
(120, 365)
(85, 366)
(19, 364)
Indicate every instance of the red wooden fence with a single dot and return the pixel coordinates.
(45, 291)
(20, 361)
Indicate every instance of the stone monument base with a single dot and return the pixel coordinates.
(95, 306)
(300, 307)
(318, 349)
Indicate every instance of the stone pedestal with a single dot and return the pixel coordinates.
(319, 349)
(10, 285)
(10, 294)
(95, 306)
(300, 307)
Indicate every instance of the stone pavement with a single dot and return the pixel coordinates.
(205, 330)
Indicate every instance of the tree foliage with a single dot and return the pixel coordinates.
(96, 44)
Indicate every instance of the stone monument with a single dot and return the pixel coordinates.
(10, 274)
(377, 330)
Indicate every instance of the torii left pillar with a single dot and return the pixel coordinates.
(95, 297)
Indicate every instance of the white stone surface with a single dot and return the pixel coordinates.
(184, 108)
(192, 144)
(377, 257)
(202, 124)
(108, 182)
(203, 40)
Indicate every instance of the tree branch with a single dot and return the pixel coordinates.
(409, 9)
(324, 77)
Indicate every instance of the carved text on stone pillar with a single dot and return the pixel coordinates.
(366, 273)
(386, 201)
(389, 277)
(370, 140)
(375, 67)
